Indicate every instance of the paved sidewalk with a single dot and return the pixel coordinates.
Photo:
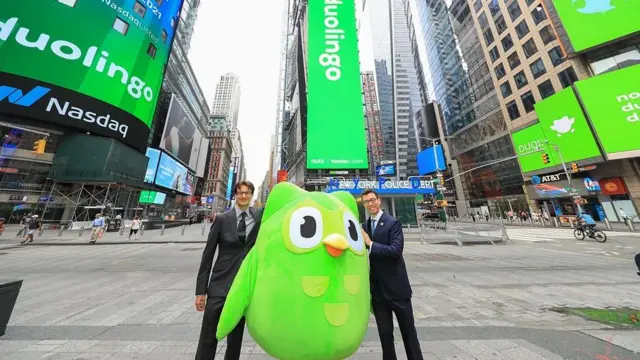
(476, 302)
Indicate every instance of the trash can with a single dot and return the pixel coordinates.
(9, 290)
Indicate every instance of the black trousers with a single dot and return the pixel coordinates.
(638, 261)
(383, 310)
(208, 342)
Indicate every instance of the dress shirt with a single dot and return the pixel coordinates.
(371, 220)
(249, 220)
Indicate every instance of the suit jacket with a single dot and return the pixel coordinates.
(231, 253)
(388, 272)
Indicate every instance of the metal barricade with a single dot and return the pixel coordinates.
(463, 233)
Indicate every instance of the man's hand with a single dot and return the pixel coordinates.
(367, 239)
(201, 302)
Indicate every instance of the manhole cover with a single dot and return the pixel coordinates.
(191, 249)
(436, 257)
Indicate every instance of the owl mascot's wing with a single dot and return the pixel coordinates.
(239, 296)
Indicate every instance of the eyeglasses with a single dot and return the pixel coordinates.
(245, 193)
(370, 201)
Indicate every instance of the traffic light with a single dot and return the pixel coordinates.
(545, 158)
(38, 146)
(574, 167)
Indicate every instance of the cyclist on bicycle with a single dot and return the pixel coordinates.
(585, 220)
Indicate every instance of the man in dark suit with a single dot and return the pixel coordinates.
(390, 288)
(234, 232)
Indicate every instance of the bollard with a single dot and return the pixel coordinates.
(60, 231)
(544, 224)
(162, 230)
(141, 229)
(520, 220)
(630, 225)
(202, 231)
(555, 222)
(121, 229)
(571, 222)
(1, 231)
(81, 231)
(607, 224)
(530, 221)
(41, 231)
(182, 230)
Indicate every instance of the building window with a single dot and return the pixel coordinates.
(507, 43)
(527, 101)
(70, 3)
(121, 26)
(546, 89)
(567, 77)
(151, 51)
(139, 9)
(488, 37)
(164, 36)
(500, 73)
(520, 79)
(501, 26)
(538, 14)
(159, 2)
(547, 34)
(537, 68)
(529, 2)
(514, 10)
(494, 7)
(514, 60)
(482, 19)
(522, 29)
(477, 5)
(505, 87)
(512, 109)
(530, 48)
(556, 56)
(494, 53)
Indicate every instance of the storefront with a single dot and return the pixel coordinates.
(399, 198)
(616, 200)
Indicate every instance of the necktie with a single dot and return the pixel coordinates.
(373, 226)
(242, 227)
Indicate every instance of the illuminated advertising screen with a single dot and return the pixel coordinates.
(230, 183)
(612, 102)
(95, 65)
(335, 117)
(565, 126)
(173, 175)
(152, 197)
(427, 160)
(152, 165)
(590, 23)
(530, 144)
(386, 170)
(181, 137)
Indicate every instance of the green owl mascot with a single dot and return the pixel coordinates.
(304, 287)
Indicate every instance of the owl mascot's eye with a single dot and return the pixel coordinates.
(303, 288)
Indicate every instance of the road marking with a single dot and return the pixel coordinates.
(582, 253)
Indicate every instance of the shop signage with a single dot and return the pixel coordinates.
(612, 186)
(557, 189)
(547, 178)
(382, 186)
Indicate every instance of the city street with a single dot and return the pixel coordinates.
(135, 300)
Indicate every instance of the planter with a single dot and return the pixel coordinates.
(9, 290)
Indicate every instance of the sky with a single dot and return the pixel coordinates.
(243, 38)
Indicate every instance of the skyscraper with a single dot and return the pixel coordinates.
(386, 51)
(227, 99)
(188, 17)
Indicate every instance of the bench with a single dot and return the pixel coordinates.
(9, 290)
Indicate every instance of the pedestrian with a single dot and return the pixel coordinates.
(390, 288)
(33, 225)
(97, 228)
(234, 233)
(135, 226)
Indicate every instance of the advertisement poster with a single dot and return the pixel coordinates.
(152, 165)
(181, 138)
(173, 175)
(109, 62)
(335, 119)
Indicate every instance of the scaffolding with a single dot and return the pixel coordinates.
(84, 200)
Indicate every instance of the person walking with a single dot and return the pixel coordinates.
(234, 233)
(97, 228)
(390, 288)
(33, 225)
(135, 226)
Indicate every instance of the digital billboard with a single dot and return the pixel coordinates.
(590, 23)
(427, 160)
(181, 137)
(386, 169)
(565, 126)
(612, 103)
(530, 144)
(152, 165)
(173, 175)
(335, 117)
(96, 65)
(151, 197)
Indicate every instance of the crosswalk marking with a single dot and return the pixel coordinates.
(553, 235)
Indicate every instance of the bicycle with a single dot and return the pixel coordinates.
(583, 231)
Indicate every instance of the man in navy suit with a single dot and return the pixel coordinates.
(390, 288)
